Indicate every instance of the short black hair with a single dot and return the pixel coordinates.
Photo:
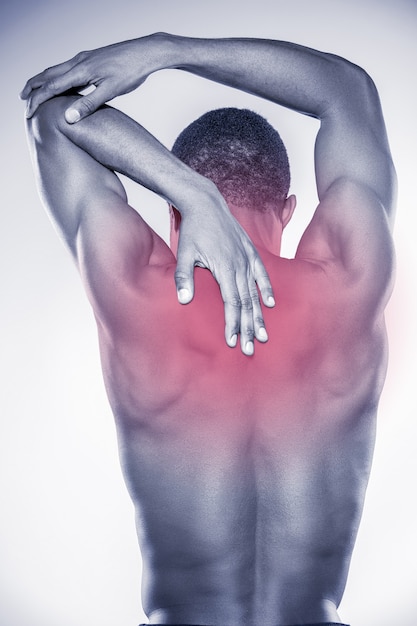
(241, 153)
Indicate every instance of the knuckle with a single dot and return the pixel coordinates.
(248, 333)
(52, 86)
(264, 282)
(86, 105)
(246, 303)
(228, 268)
(235, 302)
(259, 321)
(181, 276)
(262, 278)
(254, 296)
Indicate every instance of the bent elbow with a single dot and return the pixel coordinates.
(47, 118)
(351, 80)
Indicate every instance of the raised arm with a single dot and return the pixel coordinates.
(355, 176)
(351, 142)
(75, 168)
(356, 183)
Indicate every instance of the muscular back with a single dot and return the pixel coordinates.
(248, 473)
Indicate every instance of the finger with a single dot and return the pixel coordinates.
(242, 311)
(52, 88)
(264, 284)
(247, 326)
(247, 332)
(184, 277)
(86, 105)
(257, 316)
(232, 307)
(49, 74)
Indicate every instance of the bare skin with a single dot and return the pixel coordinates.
(248, 473)
(249, 497)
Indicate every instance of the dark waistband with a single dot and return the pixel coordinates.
(315, 624)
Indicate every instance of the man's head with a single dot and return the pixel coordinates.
(242, 154)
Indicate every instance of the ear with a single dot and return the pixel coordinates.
(175, 217)
(287, 210)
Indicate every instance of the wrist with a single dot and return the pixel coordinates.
(195, 194)
(168, 48)
(177, 51)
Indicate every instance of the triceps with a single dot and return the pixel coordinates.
(69, 180)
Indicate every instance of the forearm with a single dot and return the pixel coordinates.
(351, 141)
(291, 75)
(122, 145)
(294, 76)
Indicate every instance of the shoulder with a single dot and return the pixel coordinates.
(350, 238)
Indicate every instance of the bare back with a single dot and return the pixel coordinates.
(248, 474)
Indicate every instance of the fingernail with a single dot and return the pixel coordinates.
(249, 348)
(72, 116)
(262, 334)
(271, 301)
(233, 341)
(183, 295)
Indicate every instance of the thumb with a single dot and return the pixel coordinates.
(84, 106)
(184, 278)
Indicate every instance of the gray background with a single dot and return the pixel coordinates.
(68, 554)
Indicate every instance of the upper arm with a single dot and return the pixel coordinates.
(87, 203)
(350, 232)
(113, 245)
